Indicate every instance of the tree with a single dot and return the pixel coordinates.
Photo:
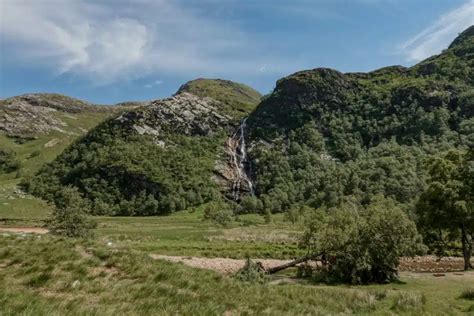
(362, 244)
(8, 162)
(447, 204)
(70, 217)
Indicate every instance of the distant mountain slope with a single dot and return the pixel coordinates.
(34, 129)
(30, 114)
(237, 99)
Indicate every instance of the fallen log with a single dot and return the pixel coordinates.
(292, 263)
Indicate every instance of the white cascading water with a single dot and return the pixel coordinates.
(239, 157)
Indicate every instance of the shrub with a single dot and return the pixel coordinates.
(468, 294)
(8, 162)
(218, 212)
(70, 218)
(251, 272)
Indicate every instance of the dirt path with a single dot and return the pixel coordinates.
(24, 230)
(228, 266)
(432, 264)
(221, 265)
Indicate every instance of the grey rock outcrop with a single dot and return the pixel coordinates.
(184, 113)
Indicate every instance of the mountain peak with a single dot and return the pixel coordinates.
(237, 99)
(463, 37)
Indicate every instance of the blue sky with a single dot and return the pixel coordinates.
(117, 50)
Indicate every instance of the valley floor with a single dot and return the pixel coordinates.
(115, 273)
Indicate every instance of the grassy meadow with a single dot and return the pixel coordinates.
(113, 273)
(43, 275)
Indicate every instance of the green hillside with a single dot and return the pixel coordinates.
(151, 160)
(238, 100)
(330, 135)
(34, 129)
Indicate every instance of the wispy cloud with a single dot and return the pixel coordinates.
(437, 36)
(109, 41)
(153, 84)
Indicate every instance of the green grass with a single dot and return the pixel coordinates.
(187, 233)
(47, 275)
(183, 233)
(17, 208)
(237, 99)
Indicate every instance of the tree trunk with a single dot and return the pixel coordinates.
(466, 248)
(292, 263)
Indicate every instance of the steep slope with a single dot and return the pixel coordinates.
(151, 160)
(323, 135)
(237, 99)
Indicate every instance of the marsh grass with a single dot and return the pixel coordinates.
(405, 301)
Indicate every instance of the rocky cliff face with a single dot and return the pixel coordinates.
(21, 118)
(232, 170)
(184, 113)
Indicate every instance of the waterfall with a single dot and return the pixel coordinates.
(239, 158)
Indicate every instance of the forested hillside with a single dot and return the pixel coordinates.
(155, 159)
(323, 135)
(319, 138)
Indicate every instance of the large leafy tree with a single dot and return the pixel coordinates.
(362, 244)
(447, 205)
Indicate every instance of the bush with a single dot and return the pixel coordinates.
(8, 162)
(251, 272)
(250, 204)
(362, 245)
(70, 218)
(218, 212)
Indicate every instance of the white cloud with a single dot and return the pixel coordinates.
(153, 84)
(438, 36)
(109, 41)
